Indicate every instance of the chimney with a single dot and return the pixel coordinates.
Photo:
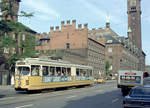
(85, 26)
(62, 23)
(52, 29)
(57, 28)
(93, 29)
(68, 22)
(107, 24)
(79, 26)
(74, 24)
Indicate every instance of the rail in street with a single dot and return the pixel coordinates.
(98, 96)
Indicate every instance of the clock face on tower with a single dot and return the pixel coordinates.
(133, 2)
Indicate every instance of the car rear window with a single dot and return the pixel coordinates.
(140, 92)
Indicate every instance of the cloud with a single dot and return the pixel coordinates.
(41, 8)
(100, 13)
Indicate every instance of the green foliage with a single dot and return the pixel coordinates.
(13, 59)
(107, 67)
(9, 10)
(24, 14)
(8, 26)
(29, 49)
(28, 45)
(7, 41)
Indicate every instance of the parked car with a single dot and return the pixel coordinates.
(100, 80)
(146, 81)
(139, 97)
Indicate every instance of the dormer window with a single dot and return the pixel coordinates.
(109, 41)
(133, 8)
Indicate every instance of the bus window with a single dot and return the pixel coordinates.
(35, 69)
(24, 71)
(68, 71)
(52, 71)
(58, 71)
(77, 72)
(45, 70)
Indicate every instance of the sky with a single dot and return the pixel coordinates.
(49, 13)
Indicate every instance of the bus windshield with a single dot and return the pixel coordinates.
(23, 71)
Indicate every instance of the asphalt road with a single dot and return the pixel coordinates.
(98, 96)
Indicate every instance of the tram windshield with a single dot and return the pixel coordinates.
(23, 71)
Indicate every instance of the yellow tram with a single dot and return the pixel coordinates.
(39, 74)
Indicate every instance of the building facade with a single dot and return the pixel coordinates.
(147, 69)
(120, 52)
(134, 24)
(73, 44)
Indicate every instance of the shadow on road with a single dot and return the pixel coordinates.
(1, 96)
(106, 100)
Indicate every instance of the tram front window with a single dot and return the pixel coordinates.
(23, 71)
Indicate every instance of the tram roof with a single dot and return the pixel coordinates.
(52, 62)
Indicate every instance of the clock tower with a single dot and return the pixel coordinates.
(134, 22)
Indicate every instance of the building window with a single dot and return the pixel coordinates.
(110, 50)
(110, 57)
(68, 45)
(67, 35)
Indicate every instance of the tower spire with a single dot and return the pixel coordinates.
(108, 21)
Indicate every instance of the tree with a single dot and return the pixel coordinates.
(18, 29)
(10, 11)
(107, 67)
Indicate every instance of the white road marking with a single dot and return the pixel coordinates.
(24, 106)
(71, 96)
(35, 95)
(115, 100)
(7, 98)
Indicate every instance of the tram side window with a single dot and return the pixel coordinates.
(63, 72)
(24, 71)
(52, 71)
(35, 70)
(89, 73)
(68, 71)
(84, 72)
(81, 72)
(45, 70)
(77, 72)
(58, 71)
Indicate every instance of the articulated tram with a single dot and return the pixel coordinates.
(39, 74)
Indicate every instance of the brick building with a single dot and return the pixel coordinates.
(73, 44)
(123, 53)
(10, 5)
(23, 39)
(134, 23)
(119, 52)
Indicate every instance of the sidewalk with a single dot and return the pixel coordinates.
(108, 81)
(6, 87)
